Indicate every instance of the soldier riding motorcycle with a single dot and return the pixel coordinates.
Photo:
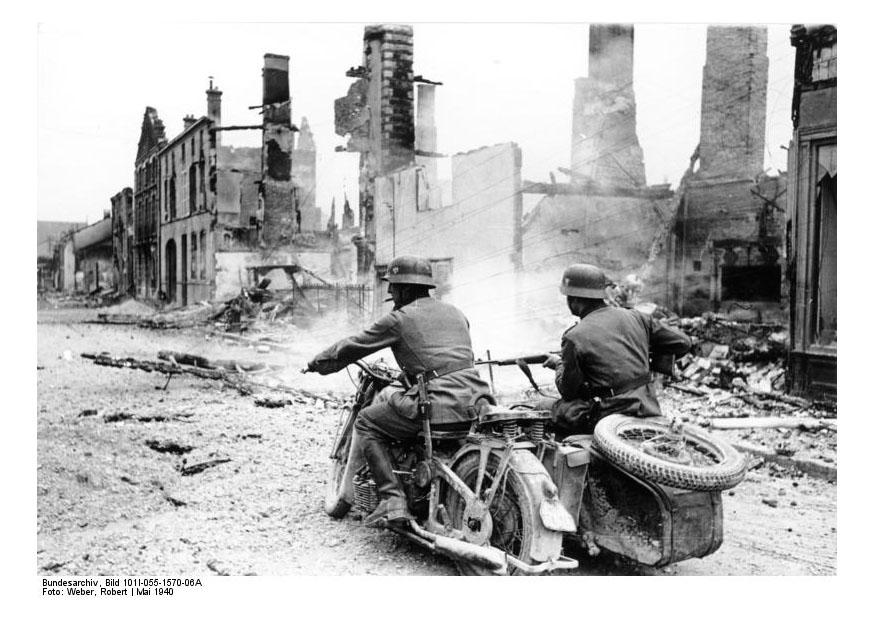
(428, 455)
(637, 484)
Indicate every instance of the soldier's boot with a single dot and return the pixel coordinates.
(354, 462)
(393, 503)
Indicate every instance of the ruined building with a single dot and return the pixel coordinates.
(206, 214)
(377, 116)
(605, 214)
(49, 253)
(812, 231)
(146, 204)
(467, 224)
(123, 240)
(726, 250)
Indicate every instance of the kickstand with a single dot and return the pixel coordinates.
(169, 376)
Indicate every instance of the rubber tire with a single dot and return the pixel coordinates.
(725, 474)
(466, 469)
(335, 506)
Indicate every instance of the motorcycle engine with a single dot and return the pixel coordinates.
(365, 493)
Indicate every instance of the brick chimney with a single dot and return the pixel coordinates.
(187, 121)
(275, 90)
(604, 139)
(734, 80)
(214, 104)
(282, 217)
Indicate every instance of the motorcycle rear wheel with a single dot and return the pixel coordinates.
(649, 448)
(512, 511)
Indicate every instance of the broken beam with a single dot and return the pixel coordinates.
(236, 128)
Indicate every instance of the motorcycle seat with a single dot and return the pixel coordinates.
(496, 414)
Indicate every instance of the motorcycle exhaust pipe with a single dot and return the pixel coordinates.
(487, 557)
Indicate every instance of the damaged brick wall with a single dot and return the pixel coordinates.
(726, 252)
(123, 239)
(604, 141)
(377, 116)
(470, 237)
(281, 219)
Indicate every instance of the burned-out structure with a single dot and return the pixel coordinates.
(812, 230)
(471, 224)
(49, 252)
(472, 217)
(226, 212)
(605, 213)
(123, 240)
(726, 252)
(377, 117)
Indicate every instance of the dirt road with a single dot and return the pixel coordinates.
(112, 498)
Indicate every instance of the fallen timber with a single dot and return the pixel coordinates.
(237, 377)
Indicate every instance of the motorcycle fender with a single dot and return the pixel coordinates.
(546, 543)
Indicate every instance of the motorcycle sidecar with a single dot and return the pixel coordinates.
(652, 524)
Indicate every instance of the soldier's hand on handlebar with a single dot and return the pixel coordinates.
(552, 361)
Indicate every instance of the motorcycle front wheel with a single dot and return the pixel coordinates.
(512, 510)
(685, 459)
(333, 504)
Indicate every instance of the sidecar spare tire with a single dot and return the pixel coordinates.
(648, 447)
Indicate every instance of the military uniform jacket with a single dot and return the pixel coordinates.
(425, 335)
(610, 347)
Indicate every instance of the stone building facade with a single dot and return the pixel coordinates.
(812, 231)
(187, 165)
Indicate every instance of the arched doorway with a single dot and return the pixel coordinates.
(170, 262)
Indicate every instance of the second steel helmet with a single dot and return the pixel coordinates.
(409, 270)
(582, 280)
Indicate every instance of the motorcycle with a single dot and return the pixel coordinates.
(480, 495)
(646, 489)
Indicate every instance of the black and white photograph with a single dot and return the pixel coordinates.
(419, 297)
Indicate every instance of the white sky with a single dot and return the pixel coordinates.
(502, 82)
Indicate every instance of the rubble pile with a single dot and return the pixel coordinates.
(94, 299)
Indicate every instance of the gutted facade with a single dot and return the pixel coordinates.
(146, 205)
(123, 240)
(50, 238)
(726, 248)
(605, 214)
(226, 210)
(812, 232)
(93, 257)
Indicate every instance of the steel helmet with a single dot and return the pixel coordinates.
(409, 270)
(582, 280)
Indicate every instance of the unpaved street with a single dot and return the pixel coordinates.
(112, 498)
